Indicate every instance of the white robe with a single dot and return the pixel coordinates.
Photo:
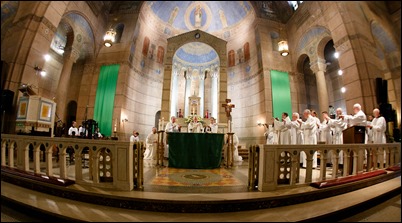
(379, 127)
(236, 157)
(338, 126)
(195, 127)
(358, 119)
(214, 128)
(284, 130)
(325, 132)
(151, 146)
(270, 135)
(296, 134)
(172, 127)
(309, 128)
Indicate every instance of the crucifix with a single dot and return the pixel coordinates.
(228, 108)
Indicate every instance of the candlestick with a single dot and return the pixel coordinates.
(229, 130)
(159, 125)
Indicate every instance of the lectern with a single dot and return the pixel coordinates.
(354, 134)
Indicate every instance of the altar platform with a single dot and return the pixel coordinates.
(184, 195)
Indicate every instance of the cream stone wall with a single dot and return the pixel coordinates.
(143, 84)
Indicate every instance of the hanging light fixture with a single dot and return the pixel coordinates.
(283, 47)
(108, 39)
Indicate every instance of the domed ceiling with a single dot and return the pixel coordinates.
(209, 16)
(196, 55)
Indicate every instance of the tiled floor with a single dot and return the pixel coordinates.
(205, 185)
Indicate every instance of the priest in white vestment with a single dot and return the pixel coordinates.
(325, 129)
(195, 126)
(171, 126)
(213, 125)
(338, 126)
(151, 145)
(296, 134)
(378, 127)
(309, 128)
(284, 129)
(358, 119)
(236, 157)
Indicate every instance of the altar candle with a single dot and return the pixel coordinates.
(159, 125)
(163, 123)
(229, 130)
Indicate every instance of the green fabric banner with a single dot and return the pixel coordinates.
(281, 101)
(104, 101)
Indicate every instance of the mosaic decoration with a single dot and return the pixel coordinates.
(196, 177)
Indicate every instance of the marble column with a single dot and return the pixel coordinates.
(319, 68)
(187, 94)
(173, 100)
(201, 93)
(70, 56)
(214, 94)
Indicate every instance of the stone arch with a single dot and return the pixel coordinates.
(87, 50)
(173, 44)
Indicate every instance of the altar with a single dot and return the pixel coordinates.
(195, 150)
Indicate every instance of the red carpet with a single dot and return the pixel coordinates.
(348, 179)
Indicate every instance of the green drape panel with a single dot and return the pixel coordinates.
(281, 101)
(104, 101)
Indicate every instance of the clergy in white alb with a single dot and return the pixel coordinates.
(151, 145)
(195, 126)
(379, 126)
(296, 134)
(284, 129)
(213, 125)
(338, 126)
(309, 128)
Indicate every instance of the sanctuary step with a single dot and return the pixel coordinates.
(348, 179)
(243, 152)
(35, 176)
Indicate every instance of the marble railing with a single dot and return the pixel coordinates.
(109, 163)
(118, 164)
(279, 165)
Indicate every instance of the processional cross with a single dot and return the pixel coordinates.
(228, 108)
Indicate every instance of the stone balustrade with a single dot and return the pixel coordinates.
(279, 165)
(117, 164)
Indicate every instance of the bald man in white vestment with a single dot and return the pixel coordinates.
(338, 126)
(378, 127)
(309, 128)
(296, 134)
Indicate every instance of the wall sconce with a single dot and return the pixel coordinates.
(39, 70)
(261, 124)
(109, 38)
(283, 46)
(124, 120)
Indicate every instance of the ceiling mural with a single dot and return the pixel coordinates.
(196, 55)
(209, 16)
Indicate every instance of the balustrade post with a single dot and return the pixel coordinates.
(229, 151)
(253, 167)
(160, 149)
(11, 156)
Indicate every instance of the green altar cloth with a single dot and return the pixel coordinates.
(195, 150)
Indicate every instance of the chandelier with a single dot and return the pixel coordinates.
(108, 39)
(283, 46)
